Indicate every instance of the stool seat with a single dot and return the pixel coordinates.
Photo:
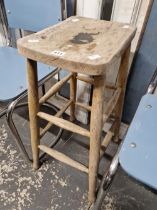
(78, 44)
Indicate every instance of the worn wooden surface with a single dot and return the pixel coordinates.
(59, 102)
(92, 48)
(84, 106)
(64, 124)
(95, 134)
(58, 114)
(73, 89)
(89, 49)
(121, 83)
(63, 158)
(54, 89)
(108, 109)
(105, 143)
(33, 99)
(86, 79)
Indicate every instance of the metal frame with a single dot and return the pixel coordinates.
(14, 103)
(9, 110)
(106, 181)
(153, 83)
(111, 172)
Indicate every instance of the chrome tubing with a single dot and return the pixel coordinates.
(13, 128)
(3, 112)
(106, 181)
(15, 104)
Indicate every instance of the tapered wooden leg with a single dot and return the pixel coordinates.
(95, 134)
(73, 87)
(121, 82)
(33, 101)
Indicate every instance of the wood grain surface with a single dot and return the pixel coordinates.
(78, 44)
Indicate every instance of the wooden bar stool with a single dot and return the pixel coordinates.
(89, 47)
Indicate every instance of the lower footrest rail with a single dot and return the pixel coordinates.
(63, 158)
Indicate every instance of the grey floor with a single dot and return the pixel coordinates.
(56, 186)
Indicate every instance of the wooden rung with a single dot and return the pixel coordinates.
(105, 142)
(54, 89)
(85, 79)
(110, 86)
(111, 104)
(84, 106)
(63, 158)
(58, 114)
(91, 81)
(64, 124)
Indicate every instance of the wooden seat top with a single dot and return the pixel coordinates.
(78, 44)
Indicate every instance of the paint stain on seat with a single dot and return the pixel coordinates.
(82, 38)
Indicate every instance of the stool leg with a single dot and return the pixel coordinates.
(73, 87)
(121, 82)
(33, 102)
(95, 134)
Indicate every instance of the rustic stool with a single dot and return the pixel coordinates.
(89, 47)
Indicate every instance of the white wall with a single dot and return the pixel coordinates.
(134, 12)
(92, 9)
(89, 8)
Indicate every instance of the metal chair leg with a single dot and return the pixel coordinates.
(3, 112)
(13, 105)
(13, 128)
(8, 111)
(106, 181)
(49, 105)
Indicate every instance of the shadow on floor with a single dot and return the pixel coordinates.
(56, 186)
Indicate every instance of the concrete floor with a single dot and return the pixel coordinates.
(127, 194)
(56, 186)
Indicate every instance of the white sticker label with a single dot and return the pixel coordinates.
(57, 53)
(69, 45)
(33, 40)
(126, 26)
(94, 57)
(75, 20)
